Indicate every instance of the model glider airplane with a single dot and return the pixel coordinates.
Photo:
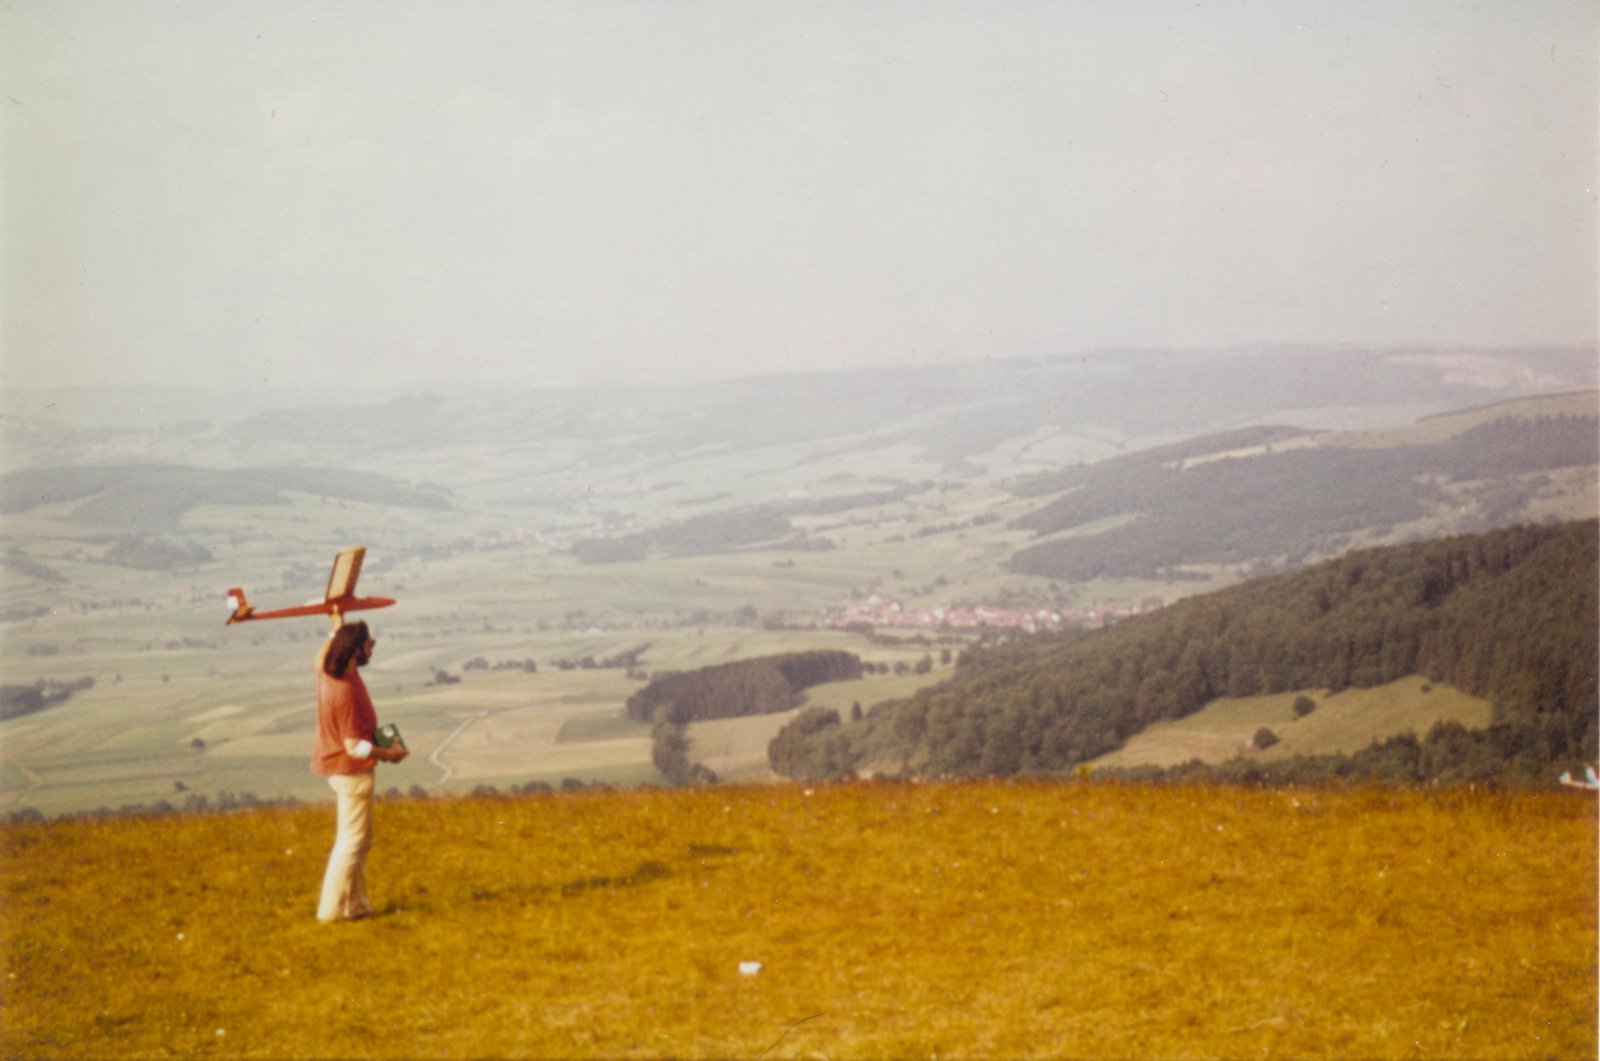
(340, 597)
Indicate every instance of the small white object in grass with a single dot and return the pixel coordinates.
(749, 968)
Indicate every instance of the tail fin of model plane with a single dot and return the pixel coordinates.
(238, 607)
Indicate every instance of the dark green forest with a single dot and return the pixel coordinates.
(1063, 479)
(1509, 616)
(1284, 504)
(18, 700)
(747, 687)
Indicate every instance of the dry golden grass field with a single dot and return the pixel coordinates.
(984, 920)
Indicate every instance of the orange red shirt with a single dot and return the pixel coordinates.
(344, 710)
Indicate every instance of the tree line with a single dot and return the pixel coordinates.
(747, 687)
(19, 700)
(1509, 616)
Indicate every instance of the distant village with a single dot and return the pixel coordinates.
(880, 611)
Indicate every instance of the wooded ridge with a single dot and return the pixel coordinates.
(1235, 510)
(1509, 616)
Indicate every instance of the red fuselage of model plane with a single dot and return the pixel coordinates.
(339, 598)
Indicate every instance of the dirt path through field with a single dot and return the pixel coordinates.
(436, 758)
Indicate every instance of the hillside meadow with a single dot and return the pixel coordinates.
(1342, 723)
(889, 920)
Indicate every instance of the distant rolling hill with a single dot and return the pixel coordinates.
(1509, 616)
(1264, 497)
(1288, 496)
(694, 469)
(149, 496)
(961, 419)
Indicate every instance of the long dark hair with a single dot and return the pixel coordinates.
(349, 642)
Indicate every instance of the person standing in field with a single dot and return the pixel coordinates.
(346, 755)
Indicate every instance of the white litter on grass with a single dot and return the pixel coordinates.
(749, 968)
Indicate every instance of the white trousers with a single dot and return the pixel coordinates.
(344, 885)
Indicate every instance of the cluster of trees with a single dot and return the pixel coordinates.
(748, 687)
(528, 788)
(1509, 616)
(627, 660)
(1278, 504)
(981, 520)
(479, 663)
(192, 644)
(18, 700)
(148, 552)
(669, 752)
(794, 752)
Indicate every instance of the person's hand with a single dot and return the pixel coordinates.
(392, 754)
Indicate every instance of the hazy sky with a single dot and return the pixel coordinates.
(302, 193)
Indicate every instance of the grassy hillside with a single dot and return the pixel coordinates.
(889, 921)
(1342, 723)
